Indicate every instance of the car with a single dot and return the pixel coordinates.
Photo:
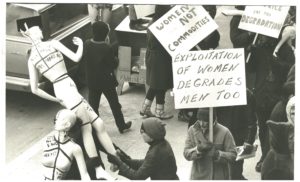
(61, 22)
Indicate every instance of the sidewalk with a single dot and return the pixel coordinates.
(27, 166)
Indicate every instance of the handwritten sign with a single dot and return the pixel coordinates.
(266, 20)
(209, 78)
(181, 28)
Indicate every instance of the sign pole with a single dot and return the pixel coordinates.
(211, 123)
(248, 57)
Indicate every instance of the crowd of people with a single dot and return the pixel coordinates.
(270, 106)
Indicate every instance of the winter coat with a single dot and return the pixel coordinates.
(159, 164)
(100, 63)
(278, 163)
(204, 167)
(271, 73)
(240, 120)
(159, 73)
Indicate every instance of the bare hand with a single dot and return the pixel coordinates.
(77, 41)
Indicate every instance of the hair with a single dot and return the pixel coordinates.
(100, 30)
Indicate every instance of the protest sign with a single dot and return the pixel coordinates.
(265, 20)
(144, 10)
(181, 28)
(209, 78)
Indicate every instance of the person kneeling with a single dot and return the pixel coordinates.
(159, 163)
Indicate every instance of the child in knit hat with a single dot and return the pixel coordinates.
(159, 162)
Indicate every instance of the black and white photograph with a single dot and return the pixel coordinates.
(148, 90)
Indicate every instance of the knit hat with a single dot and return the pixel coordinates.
(100, 30)
(154, 128)
(203, 114)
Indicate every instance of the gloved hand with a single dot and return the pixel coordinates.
(204, 146)
(114, 159)
(216, 154)
(247, 148)
(123, 156)
(252, 48)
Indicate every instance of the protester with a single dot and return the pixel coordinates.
(159, 74)
(241, 122)
(288, 90)
(210, 159)
(242, 39)
(159, 162)
(100, 65)
(280, 157)
(271, 73)
(59, 150)
(210, 42)
(46, 58)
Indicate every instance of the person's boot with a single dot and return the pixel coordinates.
(135, 25)
(146, 109)
(160, 112)
(126, 127)
(142, 21)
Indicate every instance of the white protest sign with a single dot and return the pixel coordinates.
(266, 20)
(144, 10)
(181, 28)
(209, 78)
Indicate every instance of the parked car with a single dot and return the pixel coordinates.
(60, 21)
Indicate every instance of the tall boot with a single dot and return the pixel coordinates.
(146, 109)
(160, 112)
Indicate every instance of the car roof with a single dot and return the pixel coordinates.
(36, 7)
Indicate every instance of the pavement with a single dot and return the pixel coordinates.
(25, 164)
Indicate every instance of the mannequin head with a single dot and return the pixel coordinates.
(65, 119)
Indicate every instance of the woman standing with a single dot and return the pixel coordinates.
(159, 74)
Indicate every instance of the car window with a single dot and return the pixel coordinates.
(14, 12)
(62, 15)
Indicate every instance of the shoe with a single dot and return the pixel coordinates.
(136, 26)
(127, 126)
(160, 112)
(142, 21)
(243, 178)
(258, 166)
(146, 109)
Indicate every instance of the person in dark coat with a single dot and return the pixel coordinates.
(159, 74)
(210, 42)
(100, 64)
(280, 158)
(242, 39)
(159, 162)
(241, 121)
(271, 73)
(288, 90)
